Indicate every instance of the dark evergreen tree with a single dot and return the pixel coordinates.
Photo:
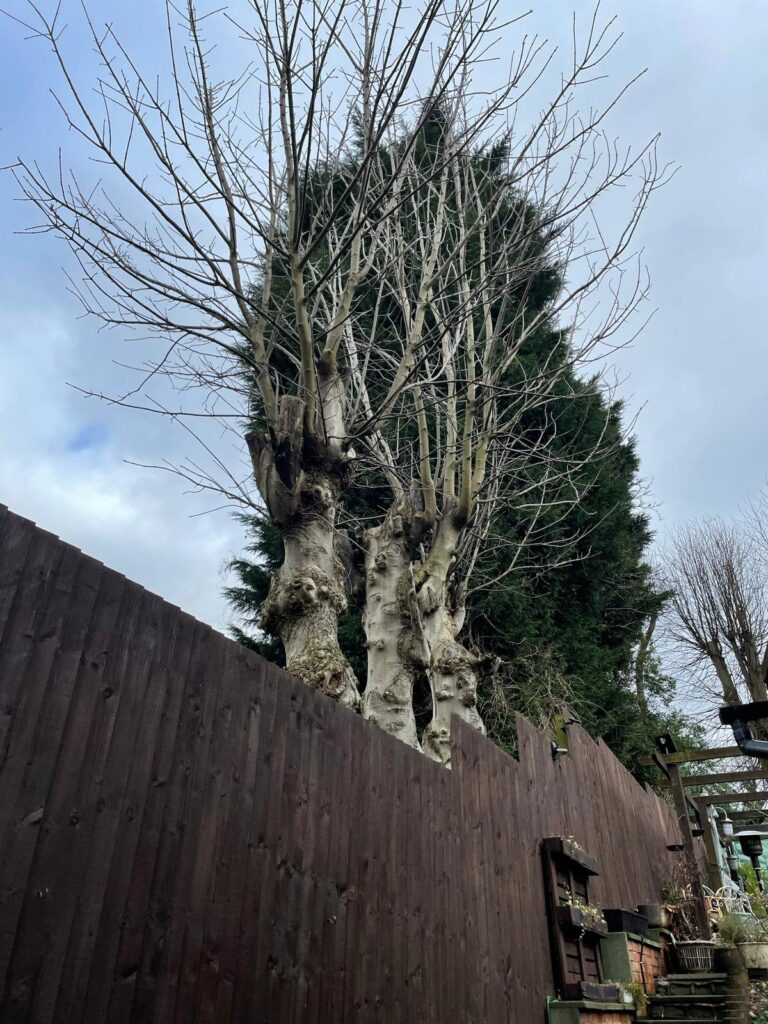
(564, 624)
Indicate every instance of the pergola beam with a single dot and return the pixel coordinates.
(683, 756)
(689, 781)
(734, 798)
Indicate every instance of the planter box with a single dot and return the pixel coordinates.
(561, 845)
(574, 917)
(632, 958)
(626, 921)
(754, 955)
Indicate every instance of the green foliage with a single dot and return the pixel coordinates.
(735, 928)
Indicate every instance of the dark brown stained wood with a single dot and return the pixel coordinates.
(288, 979)
(137, 909)
(43, 709)
(372, 816)
(264, 965)
(33, 685)
(24, 781)
(411, 849)
(126, 783)
(79, 805)
(265, 701)
(29, 600)
(16, 537)
(338, 973)
(234, 849)
(190, 835)
(313, 869)
(206, 793)
(36, 850)
(222, 846)
(156, 983)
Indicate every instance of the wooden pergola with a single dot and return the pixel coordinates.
(669, 761)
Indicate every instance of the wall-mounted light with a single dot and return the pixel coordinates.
(725, 823)
(751, 842)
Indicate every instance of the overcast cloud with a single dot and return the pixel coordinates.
(697, 374)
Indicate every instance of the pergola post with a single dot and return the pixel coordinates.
(681, 806)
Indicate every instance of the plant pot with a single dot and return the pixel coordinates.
(695, 955)
(652, 912)
(754, 955)
(626, 921)
(577, 919)
(563, 846)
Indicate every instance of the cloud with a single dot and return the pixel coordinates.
(64, 469)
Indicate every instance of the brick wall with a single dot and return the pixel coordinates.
(646, 963)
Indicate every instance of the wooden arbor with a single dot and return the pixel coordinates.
(669, 761)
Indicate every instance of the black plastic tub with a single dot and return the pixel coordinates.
(626, 921)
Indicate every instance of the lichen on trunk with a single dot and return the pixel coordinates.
(301, 484)
(453, 670)
(454, 673)
(307, 595)
(392, 659)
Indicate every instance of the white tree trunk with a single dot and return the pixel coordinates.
(307, 596)
(454, 674)
(453, 671)
(301, 485)
(388, 697)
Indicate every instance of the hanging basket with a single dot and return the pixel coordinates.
(695, 955)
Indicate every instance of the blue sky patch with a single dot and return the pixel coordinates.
(88, 436)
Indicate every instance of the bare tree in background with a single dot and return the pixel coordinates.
(262, 207)
(718, 615)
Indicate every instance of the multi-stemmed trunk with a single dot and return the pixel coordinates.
(412, 625)
(410, 620)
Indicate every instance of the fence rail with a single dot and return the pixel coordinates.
(189, 834)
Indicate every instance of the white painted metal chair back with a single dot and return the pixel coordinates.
(732, 900)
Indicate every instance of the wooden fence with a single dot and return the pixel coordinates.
(188, 834)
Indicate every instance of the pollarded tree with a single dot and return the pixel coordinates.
(304, 169)
(718, 621)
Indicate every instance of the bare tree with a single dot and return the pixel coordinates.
(718, 618)
(265, 209)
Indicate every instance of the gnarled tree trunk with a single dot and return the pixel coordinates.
(301, 483)
(453, 671)
(392, 646)
(454, 674)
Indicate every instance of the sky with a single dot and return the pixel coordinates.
(695, 379)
